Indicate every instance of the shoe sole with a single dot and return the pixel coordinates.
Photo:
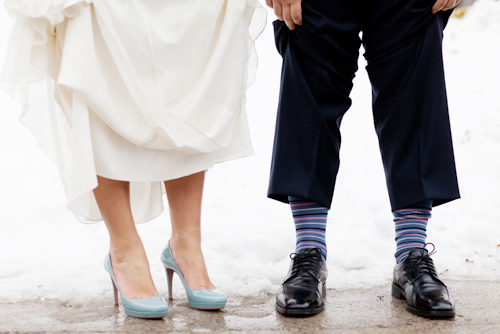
(145, 315)
(399, 293)
(206, 306)
(302, 312)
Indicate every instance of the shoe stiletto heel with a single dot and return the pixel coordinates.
(205, 299)
(170, 278)
(115, 293)
(148, 308)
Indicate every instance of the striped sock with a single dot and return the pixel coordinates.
(310, 224)
(411, 226)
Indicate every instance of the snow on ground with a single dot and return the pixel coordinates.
(46, 253)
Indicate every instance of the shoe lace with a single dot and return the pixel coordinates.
(305, 260)
(424, 265)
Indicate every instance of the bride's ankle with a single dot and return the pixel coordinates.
(186, 244)
(122, 254)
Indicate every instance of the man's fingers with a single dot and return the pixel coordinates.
(296, 12)
(449, 5)
(287, 16)
(278, 10)
(457, 2)
(444, 5)
(290, 13)
(438, 5)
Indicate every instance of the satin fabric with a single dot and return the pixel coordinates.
(166, 78)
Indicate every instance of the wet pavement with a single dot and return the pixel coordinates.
(347, 311)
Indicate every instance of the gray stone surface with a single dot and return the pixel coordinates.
(347, 311)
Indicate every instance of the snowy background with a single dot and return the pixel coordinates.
(247, 238)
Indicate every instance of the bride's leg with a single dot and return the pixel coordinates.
(184, 200)
(128, 258)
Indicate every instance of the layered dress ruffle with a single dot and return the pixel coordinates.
(140, 91)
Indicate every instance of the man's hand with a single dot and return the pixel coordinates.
(444, 5)
(289, 11)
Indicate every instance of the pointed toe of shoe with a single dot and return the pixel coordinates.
(298, 304)
(431, 307)
(154, 307)
(210, 299)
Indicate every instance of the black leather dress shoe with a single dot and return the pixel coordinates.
(416, 280)
(303, 289)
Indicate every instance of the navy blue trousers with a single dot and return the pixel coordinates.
(403, 44)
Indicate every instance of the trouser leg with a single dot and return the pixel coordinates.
(316, 81)
(411, 118)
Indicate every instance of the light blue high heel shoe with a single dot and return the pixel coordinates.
(154, 307)
(205, 299)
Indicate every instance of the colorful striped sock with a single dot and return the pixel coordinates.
(310, 224)
(411, 226)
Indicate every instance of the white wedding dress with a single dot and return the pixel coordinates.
(133, 90)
